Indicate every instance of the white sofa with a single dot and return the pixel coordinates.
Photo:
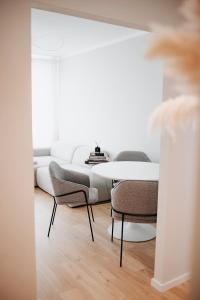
(69, 157)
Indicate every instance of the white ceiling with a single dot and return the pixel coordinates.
(57, 35)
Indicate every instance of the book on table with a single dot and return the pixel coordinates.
(96, 158)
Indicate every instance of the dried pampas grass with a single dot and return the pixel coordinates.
(191, 11)
(181, 50)
(175, 112)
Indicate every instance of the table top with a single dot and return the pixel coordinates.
(128, 170)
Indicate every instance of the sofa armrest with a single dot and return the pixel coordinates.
(42, 152)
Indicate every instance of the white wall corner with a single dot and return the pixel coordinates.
(162, 287)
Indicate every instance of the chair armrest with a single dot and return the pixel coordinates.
(76, 177)
(42, 152)
(64, 188)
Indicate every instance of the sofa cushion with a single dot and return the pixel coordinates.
(44, 180)
(81, 154)
(42, 161)
(41, 152)
(62, 150)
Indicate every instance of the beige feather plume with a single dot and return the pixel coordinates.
(181, 50)
(176, 112)
(191, 11)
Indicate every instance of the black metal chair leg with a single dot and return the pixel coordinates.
(122, 233)
(113, 220)
(54, 213)
(53, 210)
(54, 204)
(89, 219)
(92, 213)
(88, 212)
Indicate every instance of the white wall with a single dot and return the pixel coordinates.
(45, 94)
(175, 211)
(107, 96)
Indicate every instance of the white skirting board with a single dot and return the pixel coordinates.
(162, 287)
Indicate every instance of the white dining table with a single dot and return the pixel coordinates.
(130, 170)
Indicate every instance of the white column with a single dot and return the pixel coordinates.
(175, 207)
(17, 249)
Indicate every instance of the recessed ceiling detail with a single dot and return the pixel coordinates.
(60, 36)
(48, 42)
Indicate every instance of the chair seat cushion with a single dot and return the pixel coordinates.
(78, 200)
(134, 219)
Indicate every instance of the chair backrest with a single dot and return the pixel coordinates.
(135, 197)
(64, 181)
(58, 179)
(56, 171)
(132, 156)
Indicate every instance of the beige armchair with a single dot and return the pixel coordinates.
(134, 201)
(132, 156)
(67, 183)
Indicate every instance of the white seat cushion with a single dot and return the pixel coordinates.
(44, 180)
(93, 195)
(42, 161)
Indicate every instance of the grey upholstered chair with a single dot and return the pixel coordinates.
(134, 201)
(132, 156)
(67, 183)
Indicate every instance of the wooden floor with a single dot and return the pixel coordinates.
(70, 266)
